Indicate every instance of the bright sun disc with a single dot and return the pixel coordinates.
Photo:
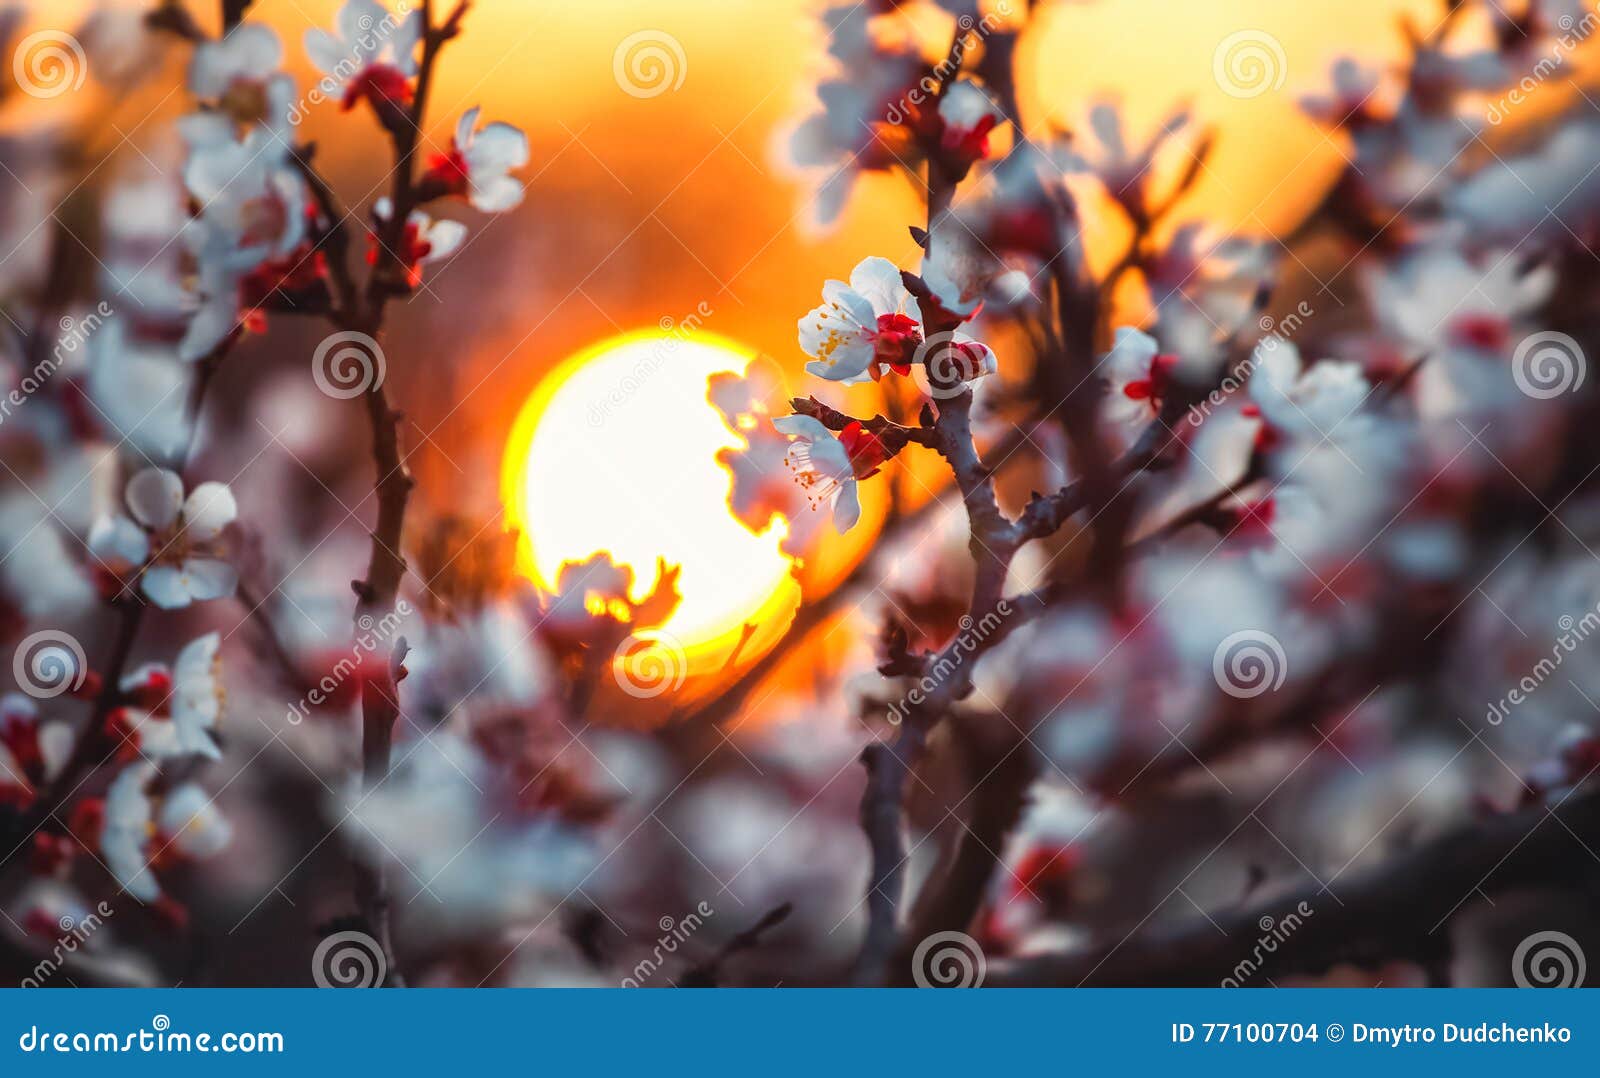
(616, 451)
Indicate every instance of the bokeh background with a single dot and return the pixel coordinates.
(640, 209)
(644, 211)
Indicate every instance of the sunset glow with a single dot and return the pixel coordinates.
(616, 451)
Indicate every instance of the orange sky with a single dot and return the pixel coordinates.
(643, 209)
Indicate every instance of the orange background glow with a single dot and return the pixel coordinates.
(643, 209)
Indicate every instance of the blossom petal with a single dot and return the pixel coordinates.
(849, 303)
(197, 656)
(847, 508)
(217, 317)
(878, 281)
(403, 45)
(805, 427)
(325, 51)
(124, 854)
(464, 126)
(256, 48)
(118, 543)
(209, 508)
(848, 365)
(164, 586)
(207, 578)
(498, 148)
(154, 498)
(1130, 356)
(443, 239)
(56, 742)
(1107, 126)
(497, 195)
(189, 816)
(358, 19)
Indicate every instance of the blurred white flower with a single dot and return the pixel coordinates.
(371, 54)
(239, 74)
(179, 534)
(969, 114)
(1319, 401)
(423, 240)
(1138, 377)
(141, 830)
(478, 164)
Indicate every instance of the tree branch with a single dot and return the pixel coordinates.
(1400, 910)
(386, 565)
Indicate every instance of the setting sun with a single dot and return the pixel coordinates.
(616, 451)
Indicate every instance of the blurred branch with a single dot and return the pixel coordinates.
(337, 237)
(386, 566)
(1000, 768)
(1399, 910)
(288, 667)
(708, 974)
(233, 13)
(405, 136)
